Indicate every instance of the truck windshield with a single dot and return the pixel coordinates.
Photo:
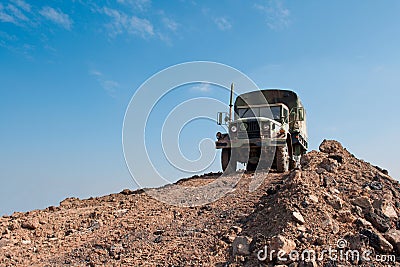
(275, 112)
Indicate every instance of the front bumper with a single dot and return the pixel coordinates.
(245, 143)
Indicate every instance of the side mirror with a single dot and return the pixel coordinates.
(222, 118)
(285, 115)
(297, 114)
(300, 114)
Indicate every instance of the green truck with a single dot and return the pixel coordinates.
(267, 128)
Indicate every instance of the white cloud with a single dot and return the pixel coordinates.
(121, 23)
(57, 17)
(17, 13)
(8, 37)
(202, 87)
(108, 85)
(277, 15)
(141, 26)
(9, 42)
(25, 6)
(5, 17)
(141, 5)
(12, 14)
(223, 23)
(96, 73)
(170, 24)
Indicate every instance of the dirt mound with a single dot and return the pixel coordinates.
(335, 207)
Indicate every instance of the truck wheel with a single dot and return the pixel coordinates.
(251, 167)
(282, 158)
(228, 162)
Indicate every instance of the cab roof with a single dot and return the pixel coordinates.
(269, 96)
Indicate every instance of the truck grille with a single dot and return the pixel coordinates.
(253, 131)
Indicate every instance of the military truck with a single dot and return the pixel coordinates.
(267, 127)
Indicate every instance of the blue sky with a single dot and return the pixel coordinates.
(69, 68)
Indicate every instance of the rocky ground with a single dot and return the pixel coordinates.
(335, 206)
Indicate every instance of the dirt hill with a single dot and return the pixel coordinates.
(336, 206)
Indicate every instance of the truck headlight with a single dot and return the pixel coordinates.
(233, 128)
(265, 126)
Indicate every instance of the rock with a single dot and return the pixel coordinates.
(363, 223)
(4, 242)
(30, 224)
(17, 215)
(330, 146)
(52, 208)
(305, 160)
(356, 242)
(115, 250)
(298, 217)
(377, 221)
(375, 185)
(229, 237)
(272, 190)
(389, 211)
(236, 229)
(241, 245)
(126, 192)
(362, 202)
(393, 236)
(26, 242)
(69, 202)
(328, 181)
(345, 216)
(121, 212)
(301, 228)
(377, 241)
(335, 227)
(14, 225)
(358, 211)
(329, 224)
(95, 225)
(329, 164)
(280, 243)
(4, 231)
(334, 201)
(334, 191)
(339, 158)
(69, 232)
(305, 204)
(206, 208)
(313, 198)
(158, 232)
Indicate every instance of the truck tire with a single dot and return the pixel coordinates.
(282, 158)
(228, 161)
(251, 167)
